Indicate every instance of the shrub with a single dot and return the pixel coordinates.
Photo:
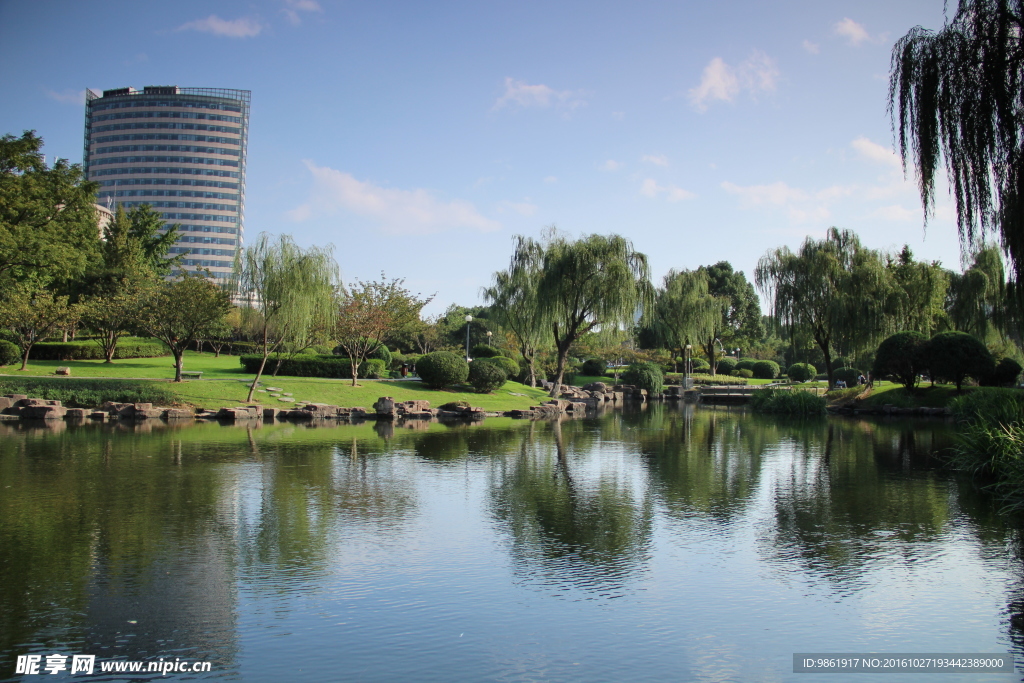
(699, 365)
(726, 365)
(848, 375)
(717, 379)
(744, 372)
(594, 367)
(510, 367)
(645, 376)
(766, 369)
(371, 368)
(1005, 375)
(801, 372)
(88, 393)
(127, 347)
(309, 365)
(841, 362)
(954, 356)
(901, 357)
(792, 402)
(442, 368)
(746, 364)
(486, 377)
(484, 351)
(9, 353)
(379, 351)
(452, 405)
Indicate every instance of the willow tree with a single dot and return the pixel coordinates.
(835, 289)
(957, 95)
(975, 300)
(514, 305)
(286, 290)
(685, 310)
(586, 284)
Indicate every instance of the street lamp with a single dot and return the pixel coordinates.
(686, 367)
(469, 319)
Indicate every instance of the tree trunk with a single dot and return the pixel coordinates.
(24, 357)
(259, 373)
(355, 370)
(178, 352)
(110, 347)
(563, 352)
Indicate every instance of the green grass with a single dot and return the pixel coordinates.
(222, 384)
(883, 393)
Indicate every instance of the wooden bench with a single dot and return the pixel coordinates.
(191, 374)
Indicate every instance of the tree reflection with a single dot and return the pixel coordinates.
(569, 528)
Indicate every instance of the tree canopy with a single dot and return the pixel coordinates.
(958, 95)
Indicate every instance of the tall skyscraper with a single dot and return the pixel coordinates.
(180, 150)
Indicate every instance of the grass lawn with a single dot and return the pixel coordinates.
(925, 395)
(224, 383)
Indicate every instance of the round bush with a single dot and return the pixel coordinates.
(593, 367)
(900, 356)
(9, 352)
(510, 367)
(1005, 375)
(955, 356)
(848, 375)
(726, 366)
(645, 376)
(842, 362)
(486, 377)
(766, 369)
(699, 365)
(746, 364)
(801, 372)
(484, 351)
(442, 368)
(746, 373)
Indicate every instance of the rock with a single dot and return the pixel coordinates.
(43, 412)
(385, 406)
(238, 413)
(65, 371)
(75, 413)
(99, 415)
(16, 397)
(274, 389)
(176, 414)
(285, 399)
(29, 402)
(596, 386)
(271, 413)
(6, 402)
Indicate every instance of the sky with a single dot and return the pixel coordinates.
(418, 138)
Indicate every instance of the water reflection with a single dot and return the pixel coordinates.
(138, 541)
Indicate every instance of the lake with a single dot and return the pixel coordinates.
(658, 543)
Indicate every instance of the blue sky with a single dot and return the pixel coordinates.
(418, 138)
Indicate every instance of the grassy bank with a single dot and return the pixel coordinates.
(224, 383)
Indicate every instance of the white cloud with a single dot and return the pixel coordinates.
(896, 212)
(720, 81)
(610, 165)
(396, 211)
(524, 95)
(66, 96)
(234, 28)
(776, 194)
(523, 208)
(293, 7)
(813, 48)
(876, 152)
(656, 159)
(854, 33)
(652, 189)
(551, 180)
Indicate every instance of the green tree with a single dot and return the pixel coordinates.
(686, 311)
(975, 300)
(514, 304)
(48, 220)
(835, 289)
(31, 312)
(594, 282)
(180, 311)
(368, 310)
(957, 95)
(920, 292)
(955, 356)
(901, 356)
(741, 312)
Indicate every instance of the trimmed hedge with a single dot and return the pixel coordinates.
(1005, 375)
(725, 366)
(127, 347)
(743, 372)
(485, 377)
(441, 369)
(593, 367)
(9, 353)
(309, 365)
(509, 366)
(88, 393)
(484, 351)
(766, 369)
(699, 365)
(801, 372)
(848, 375)
(645, 376)
(746, 364)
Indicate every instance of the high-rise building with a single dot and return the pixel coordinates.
(180, 150)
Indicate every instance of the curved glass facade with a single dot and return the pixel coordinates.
(135, 164)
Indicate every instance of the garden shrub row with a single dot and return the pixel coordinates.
(790, 402)
(309, 365)
(88, 393)
(129, 347)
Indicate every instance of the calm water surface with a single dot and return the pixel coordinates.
(671, 543)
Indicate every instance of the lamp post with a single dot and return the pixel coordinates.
(686, 367)
(469, 319)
